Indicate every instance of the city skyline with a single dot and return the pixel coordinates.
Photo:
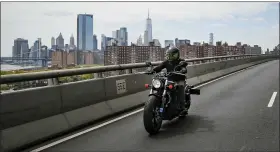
(187, 23)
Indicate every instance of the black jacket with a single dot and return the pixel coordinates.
(170, 65)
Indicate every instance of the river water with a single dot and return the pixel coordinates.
(7, 67)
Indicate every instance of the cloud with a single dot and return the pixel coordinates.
(132, 11)
(243, 19)
(58, 13)
(170, 19)
(259, 19)
(218, 24)
(276, 26)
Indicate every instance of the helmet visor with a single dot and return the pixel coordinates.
(171, 56)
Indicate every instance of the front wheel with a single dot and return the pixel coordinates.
(151, 118)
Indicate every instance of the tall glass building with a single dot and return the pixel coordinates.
(123, 36)
(85, 32)
(149, 28)
(20, 48)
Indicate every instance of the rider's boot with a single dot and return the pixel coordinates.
(187, 105)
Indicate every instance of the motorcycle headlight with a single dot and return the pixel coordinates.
(156, 83)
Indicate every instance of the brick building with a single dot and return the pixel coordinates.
(64, 58)
(88, 56)
(206, 50)
(115, 55)
(189, 51)
(72, 58)
(59, 58)
(219, 49)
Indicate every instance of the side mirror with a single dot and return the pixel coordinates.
(148, 63)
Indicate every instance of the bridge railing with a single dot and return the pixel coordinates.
(6, 79)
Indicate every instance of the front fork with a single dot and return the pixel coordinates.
(161, 109)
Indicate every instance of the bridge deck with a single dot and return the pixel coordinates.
(231, 114)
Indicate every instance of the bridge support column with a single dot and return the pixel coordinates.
(44, 63)
(53, 81)
(204, 61)
(128, 71)
(98, 75)
(117, 72)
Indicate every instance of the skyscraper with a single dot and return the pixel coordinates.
(85, 32)
(148, 32)
(103, 42)
(60, 42)
(36, 49)
(123, 36)
(118, 33)
(169, 43)
(211, 38)
(146, 42)
(52, 41)
(139, 41)
(156, 42)
(106, 41)
(179, 42)
(94, 42)
(39, 47)
(114, 34)
(72, 40)
(20, 48)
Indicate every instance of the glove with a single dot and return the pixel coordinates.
(183, 71)
(149, 72)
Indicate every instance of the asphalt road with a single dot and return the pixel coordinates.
(230, 115)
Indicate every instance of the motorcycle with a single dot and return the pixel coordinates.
(163, 101)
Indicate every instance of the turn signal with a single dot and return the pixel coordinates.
(146, 85)
(170, 86)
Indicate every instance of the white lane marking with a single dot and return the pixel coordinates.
(117, 119)
(270, 104)
(86, 131)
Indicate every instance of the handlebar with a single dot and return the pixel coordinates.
(165, 74)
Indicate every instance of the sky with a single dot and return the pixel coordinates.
(247, 22)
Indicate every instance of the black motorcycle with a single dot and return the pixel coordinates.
(164, 98)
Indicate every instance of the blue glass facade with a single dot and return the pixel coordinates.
(85, 32)
(123, 36)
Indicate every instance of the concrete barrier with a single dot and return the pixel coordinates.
(70, 105)
(80, 94)
(87, 114)
(209, 76)
(29, 105)
(118, 86)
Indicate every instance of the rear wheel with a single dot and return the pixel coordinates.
(151, 118)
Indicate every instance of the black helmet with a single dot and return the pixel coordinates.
(172, 54)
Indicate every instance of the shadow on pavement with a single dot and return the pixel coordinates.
(180, 126)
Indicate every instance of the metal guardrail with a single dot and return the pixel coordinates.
(70, 72)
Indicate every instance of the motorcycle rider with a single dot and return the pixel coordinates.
(172, 60)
